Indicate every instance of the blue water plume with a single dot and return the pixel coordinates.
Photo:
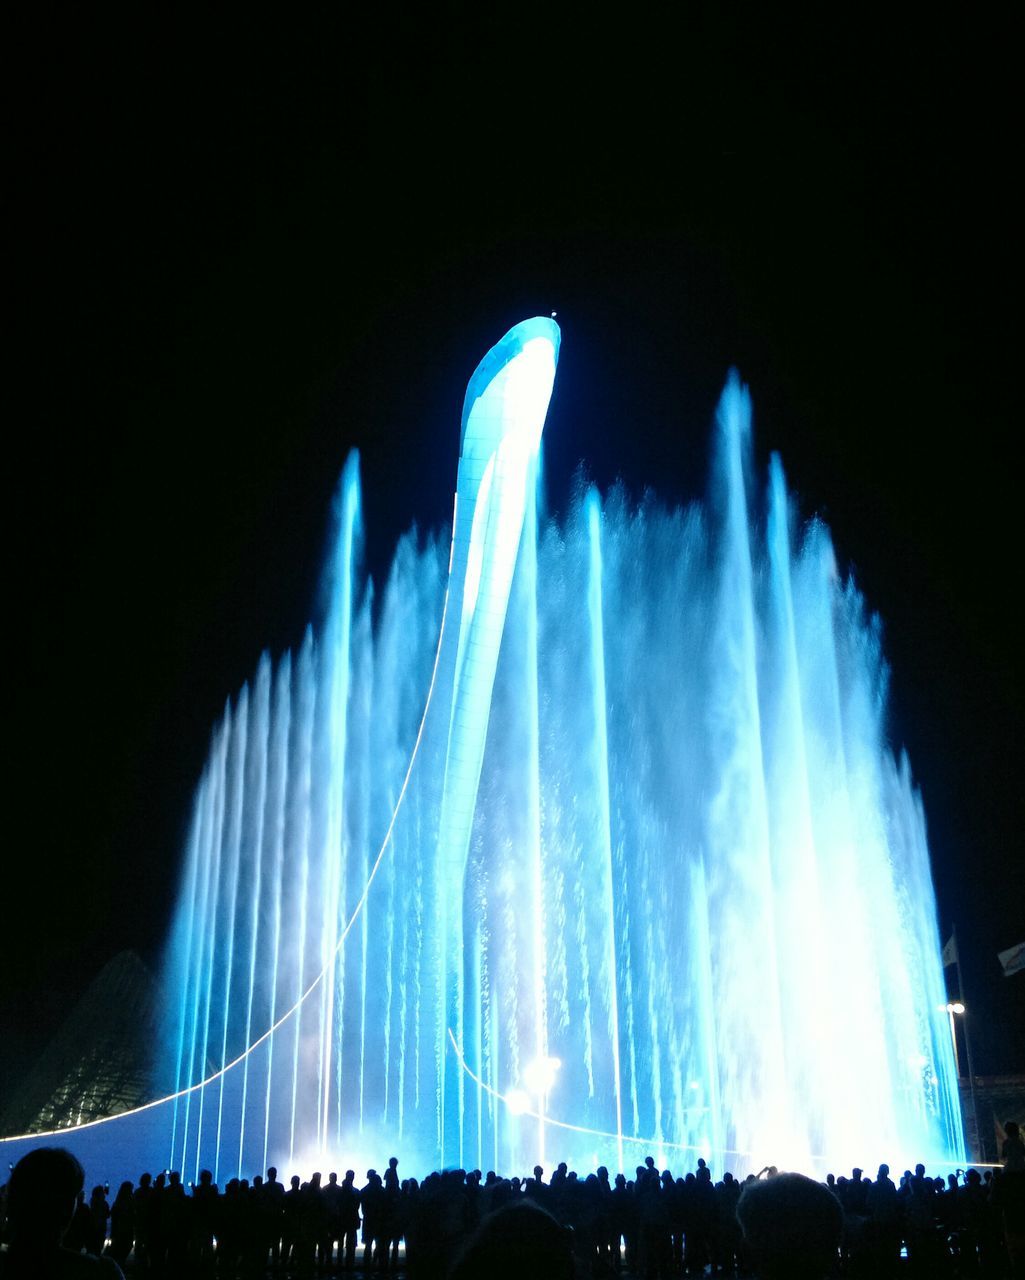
(646, 877)
(687, 907)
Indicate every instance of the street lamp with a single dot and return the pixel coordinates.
(950, 1009)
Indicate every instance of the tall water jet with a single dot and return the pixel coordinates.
(581, 837)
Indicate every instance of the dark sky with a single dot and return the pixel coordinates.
(234, 251)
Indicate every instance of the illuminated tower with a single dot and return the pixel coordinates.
(503, 417)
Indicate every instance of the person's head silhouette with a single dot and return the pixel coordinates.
(515, 1241)
(42, 1195)
(792, 1227)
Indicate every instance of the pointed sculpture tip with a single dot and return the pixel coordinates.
(505, 350)
(535, 327)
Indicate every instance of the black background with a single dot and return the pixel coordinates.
(236, 248)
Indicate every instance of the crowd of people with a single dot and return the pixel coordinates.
(463, 1224)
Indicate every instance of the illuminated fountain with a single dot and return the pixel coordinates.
(580, 840)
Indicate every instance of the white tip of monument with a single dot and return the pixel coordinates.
(510, 389)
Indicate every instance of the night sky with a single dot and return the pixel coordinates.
(234, 252)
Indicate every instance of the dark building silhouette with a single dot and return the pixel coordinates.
(99, 1063)
(997, 1099)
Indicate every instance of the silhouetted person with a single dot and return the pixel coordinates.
(254, 1246)
(918, 1212)
(1012, 1152)
(291, 1205)
(314, 1226)
(99, 1215)
(537, 1190)
(205, 1209)
(391, 1225)
(348, 1219)
(157, 1233)
(884, 1213)
(174, 1223)
(655, 1248)
(78, 1234)
(857, 1190)
(333, 1196)
(557, 1192)
(534, 1190)
(272, 1195)
(122, 1224)
(791, 1227)
(1009, 1197)
(621, 1223)
(726, 1233)
(142, 1198)
(701, 1213)
(372, 1200)
(42, 1197)
(514, 1242)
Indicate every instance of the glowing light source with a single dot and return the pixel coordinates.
(539, 1075)
(517, 1101)
(950, 1009)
